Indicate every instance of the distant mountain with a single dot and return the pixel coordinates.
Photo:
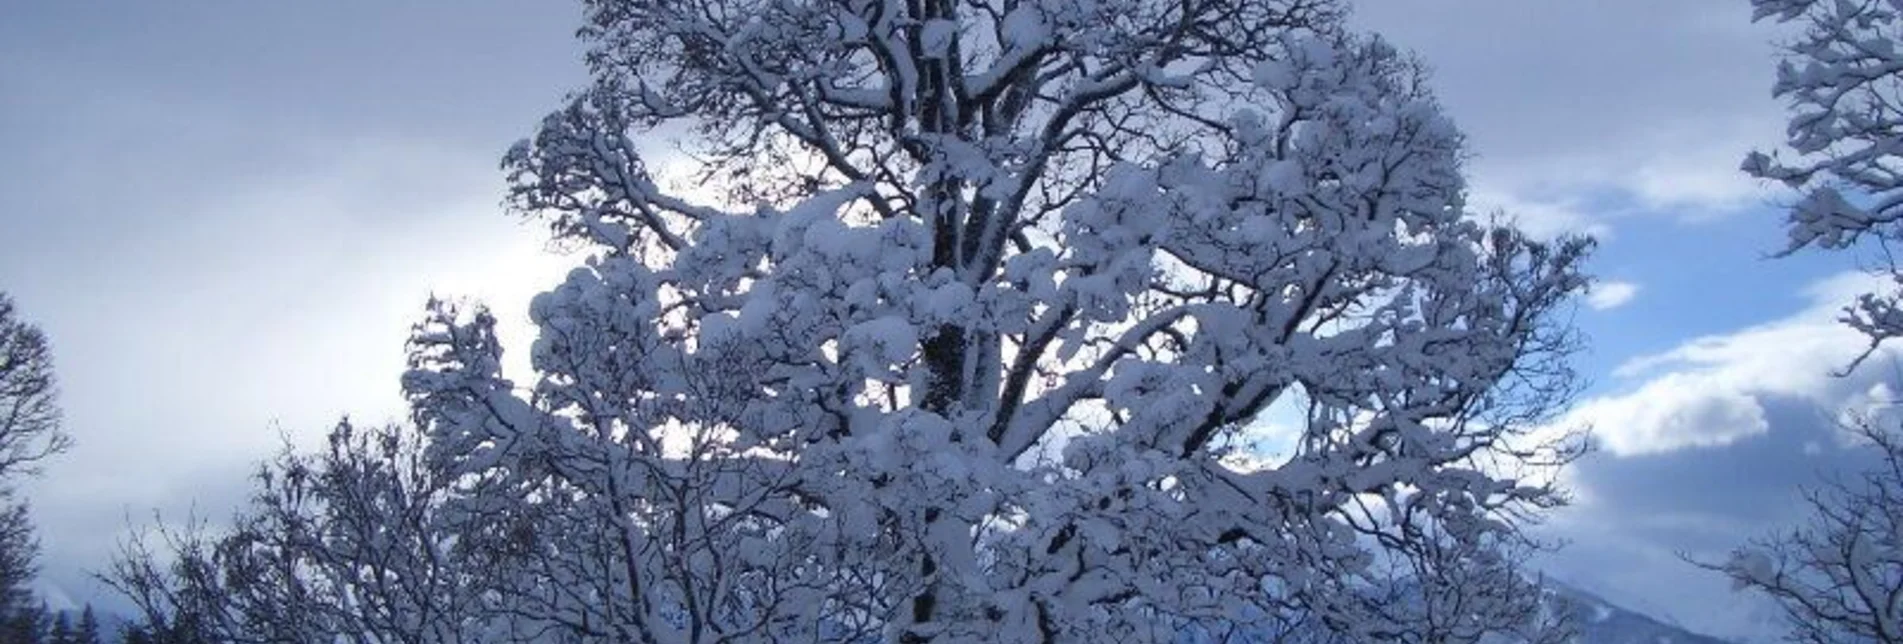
(1603, 622)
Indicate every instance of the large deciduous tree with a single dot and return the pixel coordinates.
(958, 326)
(29, 433)
(29, 410)
(999, 321)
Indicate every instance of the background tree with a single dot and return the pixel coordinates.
(1840, 578)
(18, 549)
(962, 321)
(172, 633)
(87, 630)
(61, 632)
(25, 625)
(350, 540)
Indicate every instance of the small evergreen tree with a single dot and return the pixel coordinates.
(88, 630)
(26, 624)
(18, 548)
(62, 631)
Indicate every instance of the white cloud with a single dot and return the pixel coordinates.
(1692, 170)
(1674, 411)
(1611, 294)
(1709, 391)
(1541, 218)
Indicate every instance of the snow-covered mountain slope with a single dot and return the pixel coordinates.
(1603, 622)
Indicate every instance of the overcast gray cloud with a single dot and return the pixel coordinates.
(1710, 443)
(1581, 112)
(227, 214)
(1639, 517)
(261, 315)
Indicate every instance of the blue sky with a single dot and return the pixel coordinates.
(226, 214)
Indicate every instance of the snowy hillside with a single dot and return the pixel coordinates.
(1602, 622)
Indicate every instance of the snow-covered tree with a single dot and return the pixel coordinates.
(1841, 75)
(349, 541)
(963, 321)
(1839, 578)
(970, 321)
